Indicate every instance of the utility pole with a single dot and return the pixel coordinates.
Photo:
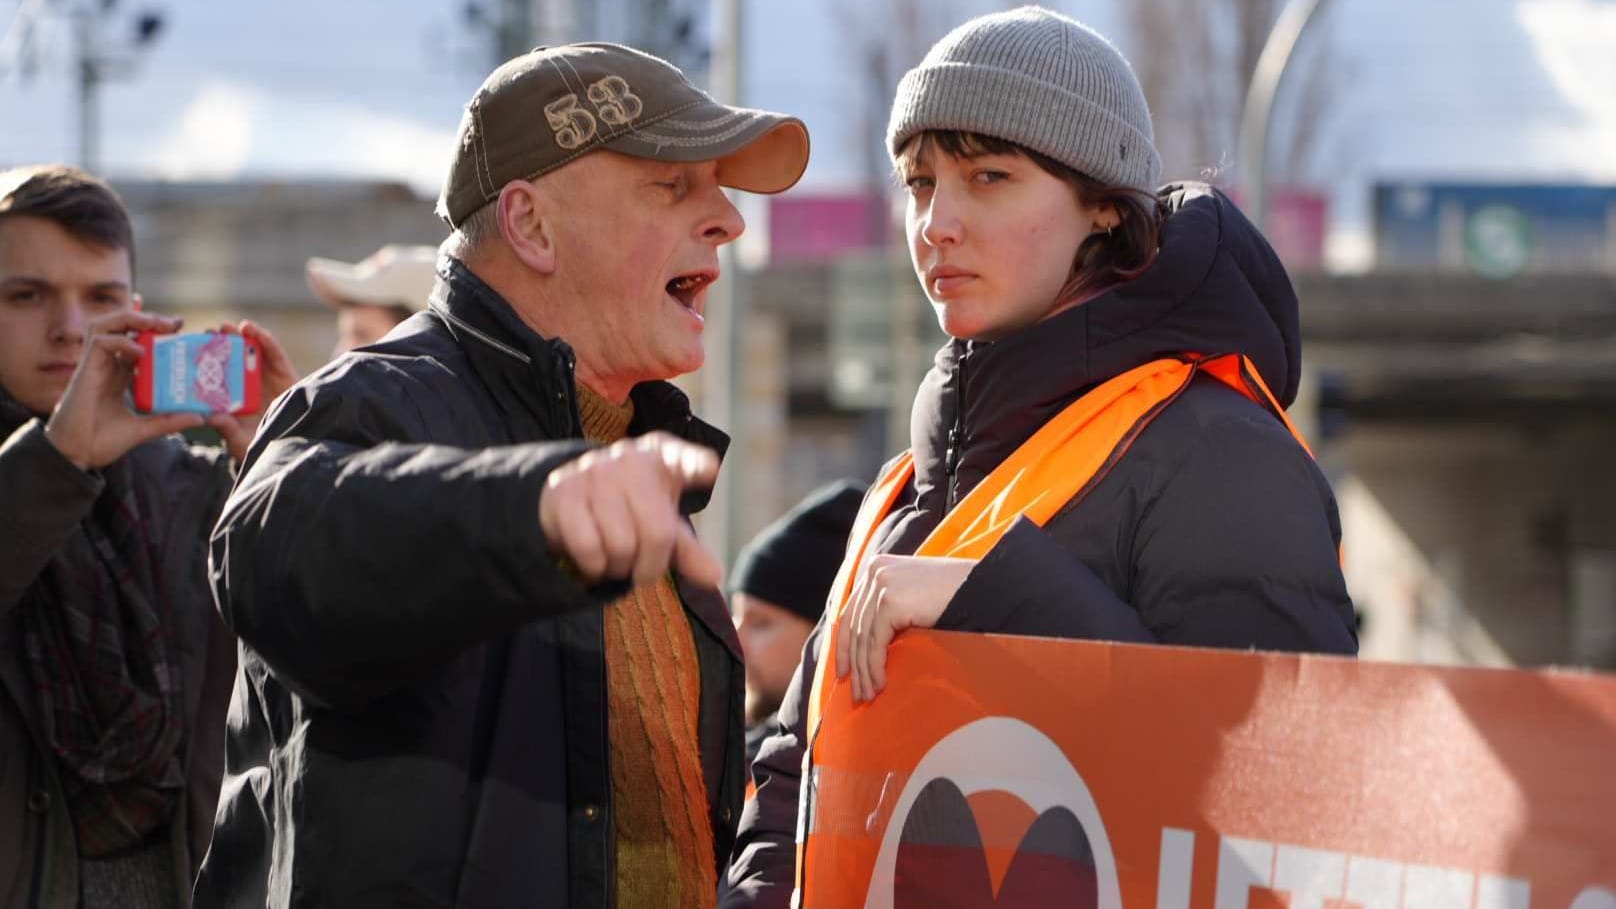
(94, 62)
(515, 34)
(553, 22)
(720, 393)
(97, 63)
(514, 27)
(1258, 114)
(89, 73)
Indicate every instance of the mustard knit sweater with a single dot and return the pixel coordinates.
(663, 834)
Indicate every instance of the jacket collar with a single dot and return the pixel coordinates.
(483, 321)
(521, 366)
(1215, 287)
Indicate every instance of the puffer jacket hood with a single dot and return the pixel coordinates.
(1216, 287)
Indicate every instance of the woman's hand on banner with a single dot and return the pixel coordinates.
(891, 593)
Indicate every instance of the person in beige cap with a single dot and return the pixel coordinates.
(373, 296)
(484, 659)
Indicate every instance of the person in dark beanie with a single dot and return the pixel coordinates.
(777, 592)
(1100, 451)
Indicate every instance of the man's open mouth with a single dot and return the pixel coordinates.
(685, 287)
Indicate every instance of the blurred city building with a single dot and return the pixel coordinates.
(212, 251)
(1496, 230)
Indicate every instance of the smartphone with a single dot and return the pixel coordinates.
(203, 372)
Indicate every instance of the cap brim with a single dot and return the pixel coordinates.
(757, 151)
(334, 282)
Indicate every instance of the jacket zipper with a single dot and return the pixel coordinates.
(566, 397)
(956, 435)
(564, 407)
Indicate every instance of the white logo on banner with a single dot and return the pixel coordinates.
(1006, 755)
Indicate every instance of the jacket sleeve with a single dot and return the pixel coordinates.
(43, 497)
(354, 563)
(1241, 548)
(763, 865)
(1028, 584)
(1238, 548)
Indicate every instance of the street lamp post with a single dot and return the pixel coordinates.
(95, 64)
(1258, 114)
(89, 73)
(719, 390)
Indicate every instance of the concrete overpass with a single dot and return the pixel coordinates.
(1444, 347)
(1473, 430)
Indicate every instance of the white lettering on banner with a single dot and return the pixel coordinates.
(1594, 898)
(1043, 779)
(1374, 883)
(1242, 865)
(1425, 887)
(1503, 893)
(1177, 861)
(1315, 877)
(1311, 876)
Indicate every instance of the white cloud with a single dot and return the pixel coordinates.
(213, 138)
(1573, 40)
(229, 131)
(394, 148)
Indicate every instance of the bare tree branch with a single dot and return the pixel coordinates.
(1195, 59)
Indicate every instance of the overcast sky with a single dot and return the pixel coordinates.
(1461, 89)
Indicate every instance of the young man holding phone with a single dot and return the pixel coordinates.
(115, 670)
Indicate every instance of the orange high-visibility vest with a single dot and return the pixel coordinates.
(1062, 461)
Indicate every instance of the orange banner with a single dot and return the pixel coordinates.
(1020, 772)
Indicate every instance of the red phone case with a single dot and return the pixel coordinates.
(143, 381)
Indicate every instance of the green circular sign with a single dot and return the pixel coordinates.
(1498, 240)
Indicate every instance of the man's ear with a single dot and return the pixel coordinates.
(525, 221)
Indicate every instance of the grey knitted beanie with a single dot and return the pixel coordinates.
(1040, 80)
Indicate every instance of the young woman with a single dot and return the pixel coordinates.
(1126, 349)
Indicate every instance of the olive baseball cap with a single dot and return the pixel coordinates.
(553, 105)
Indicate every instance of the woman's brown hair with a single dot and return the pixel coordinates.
(1101, 261)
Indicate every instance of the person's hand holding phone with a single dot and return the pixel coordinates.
(276, 375)
(92, 425)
